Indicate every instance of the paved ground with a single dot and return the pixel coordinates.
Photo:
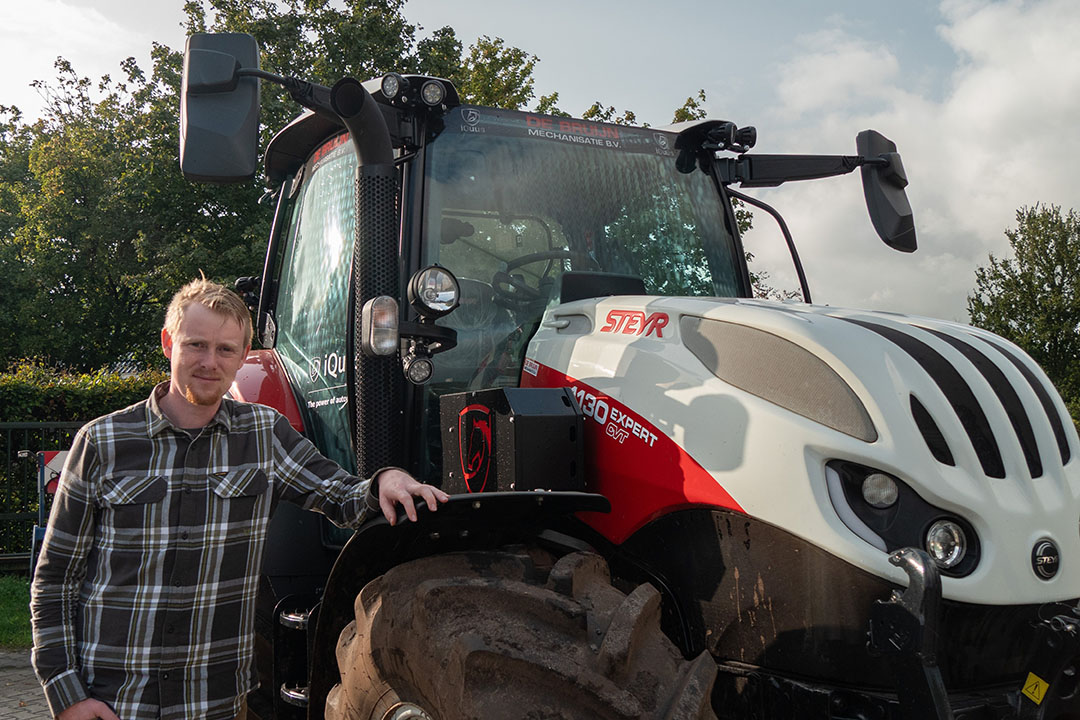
(20, 694)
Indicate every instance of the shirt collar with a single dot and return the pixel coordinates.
(157, 421)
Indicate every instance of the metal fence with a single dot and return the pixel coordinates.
(19, 481)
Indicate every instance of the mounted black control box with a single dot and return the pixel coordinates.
(512, 439)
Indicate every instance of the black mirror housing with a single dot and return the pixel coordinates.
(883, 186)
(219, 109)
(210, 71)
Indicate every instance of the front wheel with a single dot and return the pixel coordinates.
(501, 635)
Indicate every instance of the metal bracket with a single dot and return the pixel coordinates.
(295, 620)
(295, 696)
(1052, 677)
(905, 629)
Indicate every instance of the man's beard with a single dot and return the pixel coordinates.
(204, 400)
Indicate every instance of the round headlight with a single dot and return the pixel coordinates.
(433, 93)
(879, 490)
(418, 369)
(391, 85)
(434, 291)
(946, 543)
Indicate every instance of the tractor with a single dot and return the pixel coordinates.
(669, 499)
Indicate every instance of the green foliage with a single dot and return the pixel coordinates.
(496, 75)
(1033, 298)
(103, 229)
(324, 41)
(15, 612)
(34, 392)
(597, 112)
(549, 105)
(97, 226)
(692, 109)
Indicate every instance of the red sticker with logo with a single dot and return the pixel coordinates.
(476, 425)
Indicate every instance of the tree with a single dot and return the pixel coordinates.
(597, 112)
(107, 228)
(692, 109)
(1033, 298)
(493, 74)
(97, 225)
(16, 140)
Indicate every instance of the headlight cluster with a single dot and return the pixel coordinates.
(400, 91)
(433, 292)
(889, 514)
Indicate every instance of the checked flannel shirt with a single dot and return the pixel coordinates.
(144, 595)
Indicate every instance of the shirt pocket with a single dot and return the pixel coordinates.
(135, 501)
(241, 491)
(134, 490)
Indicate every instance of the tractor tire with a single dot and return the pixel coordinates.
(502, 635)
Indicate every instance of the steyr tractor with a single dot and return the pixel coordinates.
(670, 499)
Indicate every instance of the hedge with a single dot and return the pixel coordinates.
(31, 391)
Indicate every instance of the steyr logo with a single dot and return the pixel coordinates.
(475, 426)
(1045, 559)
(635, 322)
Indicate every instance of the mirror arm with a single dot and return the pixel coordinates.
(311, 95)
(773, 170)
(803, 285)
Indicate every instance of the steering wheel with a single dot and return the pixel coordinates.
(513, 292)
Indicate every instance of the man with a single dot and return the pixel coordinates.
(143, 600)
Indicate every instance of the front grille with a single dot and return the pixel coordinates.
(935, 439)
(1006, 394)
(988, 363)
(1044, 396)
(956, 390)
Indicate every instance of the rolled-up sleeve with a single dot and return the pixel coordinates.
(61, 569)
(315, 482)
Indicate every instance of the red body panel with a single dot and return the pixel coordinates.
(642, 471)
(262, 380)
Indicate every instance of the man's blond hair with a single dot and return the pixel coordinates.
(214, 297)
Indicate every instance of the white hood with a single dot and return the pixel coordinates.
(805, 385)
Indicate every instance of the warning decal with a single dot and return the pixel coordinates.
(1035, 688)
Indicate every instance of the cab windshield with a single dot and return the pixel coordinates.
(514, 200)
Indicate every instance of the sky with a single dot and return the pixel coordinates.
(981, 97)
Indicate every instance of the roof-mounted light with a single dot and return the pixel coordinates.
(393, 85)
(433, 93)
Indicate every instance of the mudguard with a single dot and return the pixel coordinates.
(465, 522)
(262, 380)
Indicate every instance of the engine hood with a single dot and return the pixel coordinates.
(774, 403)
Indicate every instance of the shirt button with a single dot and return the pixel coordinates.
(187, 491)
(176, 584)
(164, 676)
(184, 535)
(170, 629)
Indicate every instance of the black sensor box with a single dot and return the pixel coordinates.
(512, 439)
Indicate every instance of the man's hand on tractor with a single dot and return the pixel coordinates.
(397, 487)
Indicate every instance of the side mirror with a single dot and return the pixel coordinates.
(883, 186)
(219, 109)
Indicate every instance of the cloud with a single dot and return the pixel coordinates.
(33, 34)
(1001, 136)
(835, 71)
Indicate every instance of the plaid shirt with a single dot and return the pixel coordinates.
(144, 595)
